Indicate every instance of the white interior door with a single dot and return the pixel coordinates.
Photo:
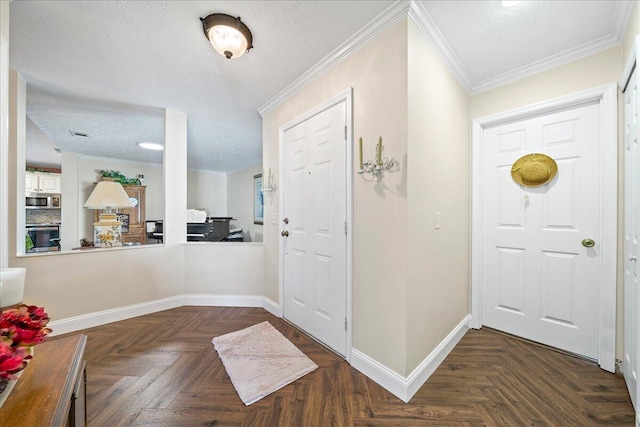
(314, 212)
(631, 237)
(539, 281)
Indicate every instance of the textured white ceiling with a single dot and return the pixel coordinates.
(154, 54)
(108, 67)
(492, 41)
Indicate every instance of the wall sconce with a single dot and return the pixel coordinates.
(377, 168)
(229, 36)
(107, 232)
(268, 186)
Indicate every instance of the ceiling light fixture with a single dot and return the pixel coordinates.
(151, 146)
(509, 3)
(228, 35)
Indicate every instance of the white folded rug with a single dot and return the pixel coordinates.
(260, 360)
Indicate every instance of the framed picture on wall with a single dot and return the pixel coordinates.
(124, 219)
(258, 201)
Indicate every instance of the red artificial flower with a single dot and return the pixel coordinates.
(28, 317)
(11, 359)
(20, 329)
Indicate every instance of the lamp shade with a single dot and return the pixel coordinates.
(229, 36)
(108, 195)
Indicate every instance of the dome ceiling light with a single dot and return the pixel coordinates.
(229, 36)
(151, 146)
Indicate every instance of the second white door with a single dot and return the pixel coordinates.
(314, 212)
(539, 280)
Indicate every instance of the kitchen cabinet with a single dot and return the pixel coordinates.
(35, 182)
(137, 214)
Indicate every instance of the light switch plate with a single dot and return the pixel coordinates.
(274, 218)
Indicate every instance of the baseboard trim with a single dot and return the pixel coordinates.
(223, 300)
(405, 388)
(90, 320)
(271, 306)
(99, 318)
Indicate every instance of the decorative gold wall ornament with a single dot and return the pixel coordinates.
(534, 169)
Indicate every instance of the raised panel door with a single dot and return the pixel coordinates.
(314, 194)
(539, 281)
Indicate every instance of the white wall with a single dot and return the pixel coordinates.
(207, 190)
(378, 75)
(82, 282)
(223, 268)
(240, 201)
(438, 180)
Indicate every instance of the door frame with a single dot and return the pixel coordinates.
(347, 97)
(633, 59)
(606, 96)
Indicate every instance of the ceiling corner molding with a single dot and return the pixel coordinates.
(629, 66)
(545, 64)
(380, 23)
(418, 13)
(621, 19)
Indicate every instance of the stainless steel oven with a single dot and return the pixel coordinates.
(42, 238)
(43, 201)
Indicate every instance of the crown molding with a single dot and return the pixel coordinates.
(380, 23)
(545, 64)
(418, 13)
(420, 16)
(630, 66)
(621, 19)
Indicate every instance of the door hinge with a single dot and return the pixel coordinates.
(345, 323)
(345, 133)
(345, 228)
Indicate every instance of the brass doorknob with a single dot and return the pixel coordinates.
(588, 243)
(285, 233)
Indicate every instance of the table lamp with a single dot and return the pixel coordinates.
(107, 232)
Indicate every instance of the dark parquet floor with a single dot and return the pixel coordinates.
(162, 370)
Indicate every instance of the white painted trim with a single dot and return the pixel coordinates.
(271, 306)
(4, 151)
(418, 13)
(607, 97)
(621, 18)
(545, 64)
(405, 388)
(349, 219)
(281, 210)
(90, 320)
(385, 377)
(420, 16)
(609, 233)
(629, 66)
(209, 300)
(347, 97)
(380, 23)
